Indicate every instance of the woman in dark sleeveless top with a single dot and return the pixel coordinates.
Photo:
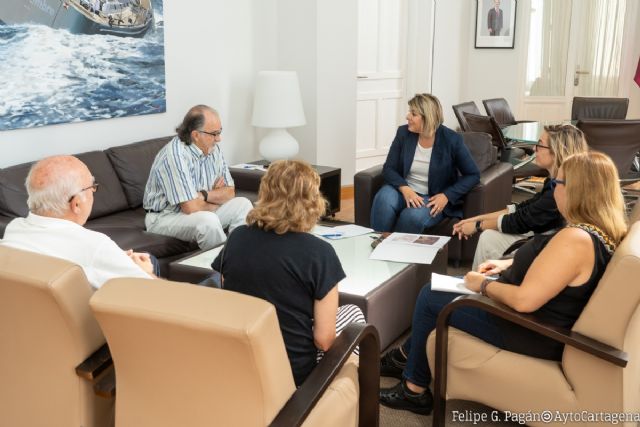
(552, 277)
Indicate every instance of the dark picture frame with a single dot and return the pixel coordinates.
(495, 29)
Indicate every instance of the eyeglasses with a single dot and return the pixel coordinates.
(214, 134)
(539, 145)
(93, 187)
(555, 182)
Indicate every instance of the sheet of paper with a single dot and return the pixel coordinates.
(341, 231)
(400, 252)
(418, 240)
(444, 283)
(249, 166)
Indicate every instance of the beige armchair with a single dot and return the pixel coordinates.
(186, 355)
(46, 330)
(599, 371)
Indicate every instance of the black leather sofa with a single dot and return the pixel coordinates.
(122, 173)
(491, 194)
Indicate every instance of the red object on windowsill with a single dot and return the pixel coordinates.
(637, 77)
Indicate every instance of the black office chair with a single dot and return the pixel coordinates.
(499, 109)
(465, 107)
(599, 108)
(523, 165)
(620, 140)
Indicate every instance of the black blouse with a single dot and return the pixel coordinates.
(562, 310)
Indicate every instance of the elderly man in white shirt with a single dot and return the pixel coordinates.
(60, 200)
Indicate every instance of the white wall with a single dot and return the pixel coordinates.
(213, 49)
(318, 39)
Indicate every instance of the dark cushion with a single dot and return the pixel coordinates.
(481, 148)
(13, 193)
(132, 163)
(109, 198)
(127, 230)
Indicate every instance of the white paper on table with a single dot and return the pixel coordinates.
(249, 166)
(418, 240)
(340, 231)
(401, 252)
(444, 283)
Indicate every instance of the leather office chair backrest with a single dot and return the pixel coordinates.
(465, 107)
(499, 109)
(619, 139)
(599, 108)
(187, 355)
(486, 124)
(46, 330)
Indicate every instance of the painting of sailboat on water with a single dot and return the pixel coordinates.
(67, 61)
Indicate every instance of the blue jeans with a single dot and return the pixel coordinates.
(390, 213)
(468, 319)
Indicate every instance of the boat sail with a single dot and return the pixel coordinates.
(126, 18)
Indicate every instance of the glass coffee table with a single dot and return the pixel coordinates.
(386, 292)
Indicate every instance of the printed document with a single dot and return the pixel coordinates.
(409, 248)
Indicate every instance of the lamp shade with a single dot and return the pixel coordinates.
(277, 102)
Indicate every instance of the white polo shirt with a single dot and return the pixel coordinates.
(99, 256)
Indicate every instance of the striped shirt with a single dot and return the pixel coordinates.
(179, 172)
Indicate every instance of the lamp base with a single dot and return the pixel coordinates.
(278, 144)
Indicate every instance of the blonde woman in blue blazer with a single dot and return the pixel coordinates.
(427, 172)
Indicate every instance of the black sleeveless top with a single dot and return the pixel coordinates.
(562, 310)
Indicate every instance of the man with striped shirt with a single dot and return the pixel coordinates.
(190, 193)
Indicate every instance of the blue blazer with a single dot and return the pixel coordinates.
(452, 170)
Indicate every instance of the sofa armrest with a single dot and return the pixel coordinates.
(492, 193)
(366, 184)
(295, 411)
(246, 179)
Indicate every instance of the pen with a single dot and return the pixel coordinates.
(332, 235)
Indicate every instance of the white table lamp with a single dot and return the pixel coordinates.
(277, 106)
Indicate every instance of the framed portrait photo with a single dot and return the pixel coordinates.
(495, 24)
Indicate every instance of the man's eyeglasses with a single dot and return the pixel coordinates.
(555, 182)
(93, 187)
(213, 134)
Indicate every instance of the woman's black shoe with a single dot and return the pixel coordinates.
(391, 364)
(400, 397)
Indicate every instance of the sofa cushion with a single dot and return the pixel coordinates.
(482, 150)
(13, 194)
(132, 163)
(109, 198)
(126, 228)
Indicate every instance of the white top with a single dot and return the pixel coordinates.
(98, 255)
(419, 173)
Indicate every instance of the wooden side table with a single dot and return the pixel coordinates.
(330, 180)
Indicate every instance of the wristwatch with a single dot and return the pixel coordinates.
(478, 226)
(205, 194)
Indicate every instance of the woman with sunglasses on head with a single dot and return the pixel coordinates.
(588, 196)
(536, 215)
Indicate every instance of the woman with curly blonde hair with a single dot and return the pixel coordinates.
(274, 257)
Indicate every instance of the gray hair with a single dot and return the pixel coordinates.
(53, 197)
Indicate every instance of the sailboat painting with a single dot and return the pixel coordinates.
(67, 61)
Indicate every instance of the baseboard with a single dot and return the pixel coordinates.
(346, 192)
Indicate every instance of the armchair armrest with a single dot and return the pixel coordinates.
(98, 368)
(95, 364)
(567, 337)
(295, 411)
(366, 184)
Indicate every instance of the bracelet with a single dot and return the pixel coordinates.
(205, 194)
(483, 287)
(478, 226)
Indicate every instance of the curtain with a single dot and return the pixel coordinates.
(600, 25)
(548, 47)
